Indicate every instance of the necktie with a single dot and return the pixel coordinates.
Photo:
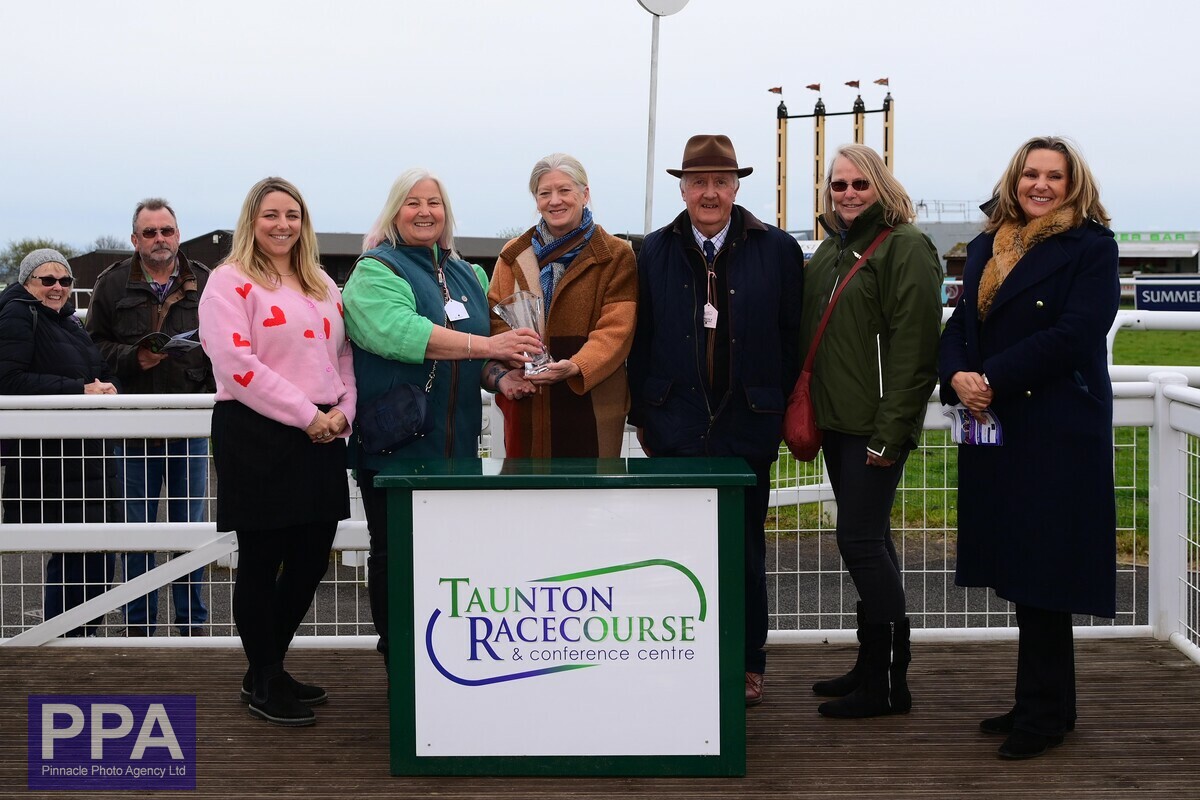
(710, 254)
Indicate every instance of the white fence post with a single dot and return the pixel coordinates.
(1168, 552)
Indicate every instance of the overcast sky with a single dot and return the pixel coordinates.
(108, 102)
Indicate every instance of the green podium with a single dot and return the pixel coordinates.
(567, 617)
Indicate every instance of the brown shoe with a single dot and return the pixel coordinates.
(754, 688)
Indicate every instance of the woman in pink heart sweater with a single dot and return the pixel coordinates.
(271, 322)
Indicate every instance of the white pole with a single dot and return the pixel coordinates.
(657, 8)
(650, 133)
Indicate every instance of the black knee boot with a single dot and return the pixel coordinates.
(883, 688)
(844, 685)
(272, 698)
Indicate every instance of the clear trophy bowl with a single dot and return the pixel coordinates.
(524, 310)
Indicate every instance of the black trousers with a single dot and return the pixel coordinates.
(375, 505)
(278, 573)
(865, 495)
(1045, 672)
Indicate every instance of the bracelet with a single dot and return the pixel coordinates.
(468, 347)
(498, 377)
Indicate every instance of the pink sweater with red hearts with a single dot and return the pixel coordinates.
(279, 352)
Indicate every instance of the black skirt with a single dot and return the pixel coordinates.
(271, 475)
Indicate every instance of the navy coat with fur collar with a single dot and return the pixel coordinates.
(1037, 516)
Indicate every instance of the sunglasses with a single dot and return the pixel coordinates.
(50, 280)
(150, 233)
(859, 184)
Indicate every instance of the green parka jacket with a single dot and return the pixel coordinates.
(876, 364)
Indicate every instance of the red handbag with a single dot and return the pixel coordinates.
(800, 429)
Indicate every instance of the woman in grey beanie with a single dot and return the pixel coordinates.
(41, 256)
(45, 350)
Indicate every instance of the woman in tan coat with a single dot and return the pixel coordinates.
(587, 280)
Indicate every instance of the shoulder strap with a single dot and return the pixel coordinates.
(812, 349)
(392, 263)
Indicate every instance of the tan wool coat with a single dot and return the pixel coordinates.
(591, 321)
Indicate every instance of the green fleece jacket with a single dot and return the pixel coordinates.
(389, 319)
(877, 362)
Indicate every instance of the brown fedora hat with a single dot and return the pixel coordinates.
(708, 152)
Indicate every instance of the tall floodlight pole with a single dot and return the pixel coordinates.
(781, 126)
(657, 8)
(889, 143)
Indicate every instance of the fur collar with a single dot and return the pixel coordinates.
(1012, 241)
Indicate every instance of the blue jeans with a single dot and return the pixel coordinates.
(71, 580)
(142, 468)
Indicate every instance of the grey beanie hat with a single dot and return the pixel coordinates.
(38, 257)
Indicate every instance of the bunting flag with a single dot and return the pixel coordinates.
(776, 90)
(882, 82)
(853, 84)
(816, 87)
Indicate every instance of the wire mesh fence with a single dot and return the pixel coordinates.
(809, 590)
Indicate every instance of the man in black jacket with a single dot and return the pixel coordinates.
(157, 291)
(715, 352)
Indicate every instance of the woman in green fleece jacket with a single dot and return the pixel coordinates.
(417, 313)
(874, 371)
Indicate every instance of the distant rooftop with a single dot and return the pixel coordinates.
(949, 211)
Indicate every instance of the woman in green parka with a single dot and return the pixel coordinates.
(874, 371)
(413, 310)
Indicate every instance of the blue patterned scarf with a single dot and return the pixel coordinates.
(555, 255)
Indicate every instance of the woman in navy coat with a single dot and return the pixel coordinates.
(1037, 515)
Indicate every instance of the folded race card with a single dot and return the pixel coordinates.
(965, 429)
(158, 342)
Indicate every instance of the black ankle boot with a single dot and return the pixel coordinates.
(306, 693)
(884, 685)
(272, 699)
(844, 685)
(1003, 724)
(1022, 744)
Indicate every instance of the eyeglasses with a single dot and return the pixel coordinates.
(150, 233)
(50, 280)
(859, 184)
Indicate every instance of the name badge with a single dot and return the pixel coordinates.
(455, 311)
(710, 315)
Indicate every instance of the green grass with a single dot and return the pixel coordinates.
(1180, 348)
(924, 500)
(1132, 479)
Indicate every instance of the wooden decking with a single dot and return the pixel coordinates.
(1138, 732)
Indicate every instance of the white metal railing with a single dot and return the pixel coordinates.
(1128, 319)
(340, 617)
(1156, 430)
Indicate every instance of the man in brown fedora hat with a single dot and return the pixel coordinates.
(716, 348)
